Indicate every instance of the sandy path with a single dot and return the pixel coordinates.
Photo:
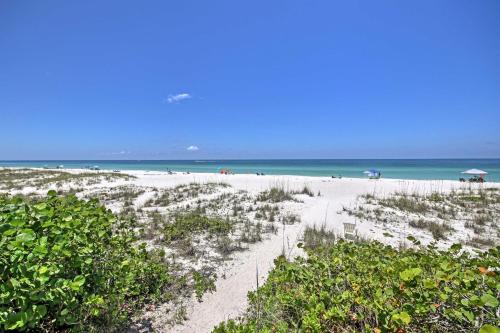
(230, 299)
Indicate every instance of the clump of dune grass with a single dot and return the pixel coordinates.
(226, 245)
(183, 192)
(251, 233)
(275, 194)
(305, 190)
(438, 230)
(481, 242)
(406, 203)
(267, 211)
(290, 218)
(476, 228)
(318, 236)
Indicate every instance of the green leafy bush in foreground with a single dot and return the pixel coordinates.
(369, 287)
(67, 264)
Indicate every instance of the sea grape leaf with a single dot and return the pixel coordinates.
(489, 329)
(26, 236)
(410, 274)
(78, 281)
(489, 300)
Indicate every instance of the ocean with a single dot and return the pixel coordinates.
(390, 168)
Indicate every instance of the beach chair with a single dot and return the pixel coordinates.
(474, 180)
(350, 231)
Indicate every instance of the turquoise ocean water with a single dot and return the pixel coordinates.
(390, 168)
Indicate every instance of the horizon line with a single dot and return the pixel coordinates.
(258, 159)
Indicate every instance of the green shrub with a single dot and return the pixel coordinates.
(184, 225)
(203, 283)
(66, 264)
(369, 287)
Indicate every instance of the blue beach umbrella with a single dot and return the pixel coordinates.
(372, 173)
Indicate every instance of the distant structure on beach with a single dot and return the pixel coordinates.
(226, 172)
(478, 175)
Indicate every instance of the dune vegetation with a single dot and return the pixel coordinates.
(473, 212)
(70, 263)
(370, 287)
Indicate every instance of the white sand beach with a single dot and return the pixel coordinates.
(331, 198)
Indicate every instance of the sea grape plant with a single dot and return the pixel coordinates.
(371, 287)
(67, 264)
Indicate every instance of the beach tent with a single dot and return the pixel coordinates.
(475, 172)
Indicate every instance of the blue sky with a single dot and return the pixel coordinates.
(249, 79)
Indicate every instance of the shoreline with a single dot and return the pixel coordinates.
(412, 169)
(204, 174)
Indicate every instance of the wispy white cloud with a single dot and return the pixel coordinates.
(122, 152)
(178, 97)
(192, 148)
